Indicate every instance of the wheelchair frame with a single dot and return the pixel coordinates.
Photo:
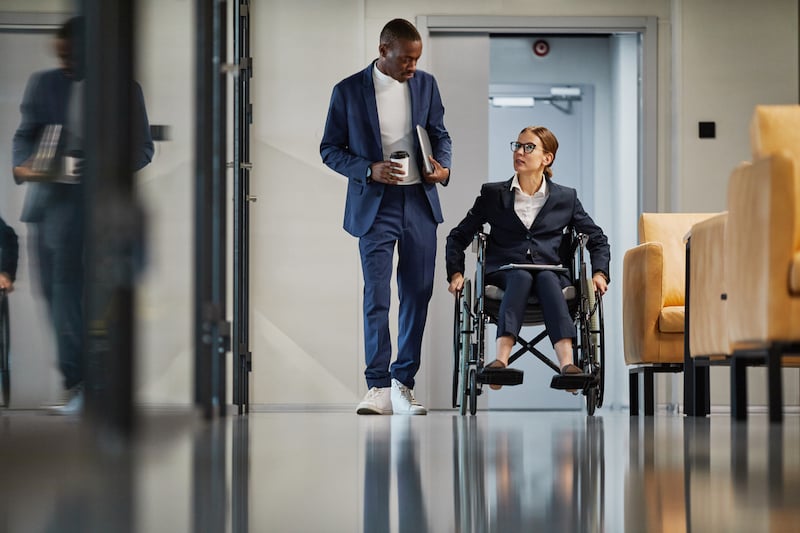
(471, 317)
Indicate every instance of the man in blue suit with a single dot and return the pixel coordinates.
(372, 115)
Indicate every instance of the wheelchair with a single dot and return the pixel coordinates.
(474, 311)
(5, 369)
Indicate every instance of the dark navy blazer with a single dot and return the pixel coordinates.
(352, 141)
(509, 241)
(9, 250)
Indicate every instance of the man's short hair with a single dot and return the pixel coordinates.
(399, 29)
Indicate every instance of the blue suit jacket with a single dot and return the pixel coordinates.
(352, 141)
(510, 241)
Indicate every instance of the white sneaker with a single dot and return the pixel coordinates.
(403, 401)
(73, 407)
(378, 401)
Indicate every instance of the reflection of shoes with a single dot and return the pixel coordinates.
(377, 401)
(571, 369)
(403, 401)
(499, 365)
(73, 407)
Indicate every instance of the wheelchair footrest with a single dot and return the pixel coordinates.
(572, 381)
(500, 376)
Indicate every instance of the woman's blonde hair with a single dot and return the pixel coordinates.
(549, 144)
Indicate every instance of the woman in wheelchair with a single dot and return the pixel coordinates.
(528, 214)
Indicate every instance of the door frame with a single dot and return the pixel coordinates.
(646, 27)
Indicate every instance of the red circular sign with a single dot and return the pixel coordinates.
(541, 48)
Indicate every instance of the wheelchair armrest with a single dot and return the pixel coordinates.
(479, 242)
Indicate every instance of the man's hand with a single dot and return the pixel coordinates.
(439, 174)
(384, 172)
(25, 172)
(456, 283)
(6, 283)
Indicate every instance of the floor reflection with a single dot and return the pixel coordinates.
(391, 448)
(511, 481)
(332, 472)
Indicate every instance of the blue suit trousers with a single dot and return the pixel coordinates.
(60, 247)
(404, 221)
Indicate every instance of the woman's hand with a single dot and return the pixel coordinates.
(456, 283)
(600, 284)
(5, 282)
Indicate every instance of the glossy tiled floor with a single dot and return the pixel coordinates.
(338, 472)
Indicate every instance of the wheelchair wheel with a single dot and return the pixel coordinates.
(591, 400)
(600, 353)
(5, 368)
(473, 391)
(592, 343)
(457, 327)
(466, 343)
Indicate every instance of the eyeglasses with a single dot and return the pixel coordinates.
(528, 148)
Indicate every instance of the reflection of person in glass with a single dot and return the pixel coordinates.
(9, 253)
(53, 205)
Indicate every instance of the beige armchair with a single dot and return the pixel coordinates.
(763, 256)
(707, 311)
(653, 290)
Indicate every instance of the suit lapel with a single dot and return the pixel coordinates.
(371, 106)
(413, 90)
(507, 202)
(550, 201)
(507, 195)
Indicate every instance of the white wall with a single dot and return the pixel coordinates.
(732, 55)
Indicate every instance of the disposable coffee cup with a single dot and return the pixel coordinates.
(402, 158)
(71, 166)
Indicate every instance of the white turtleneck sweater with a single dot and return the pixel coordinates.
(394, 116)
